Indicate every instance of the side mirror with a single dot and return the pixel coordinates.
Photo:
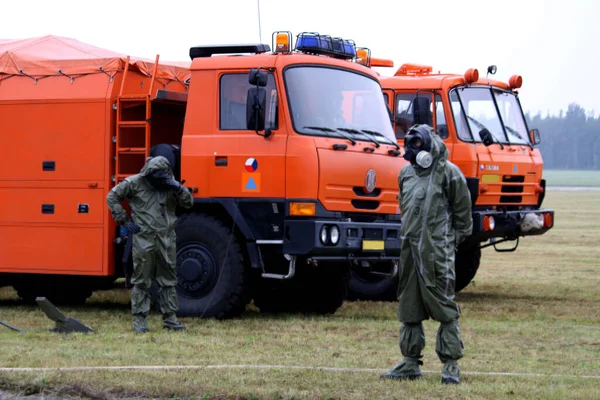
(534, 136)
(486, 137)
(256, 107)
(257, 77)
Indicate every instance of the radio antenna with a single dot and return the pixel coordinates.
(259, 30)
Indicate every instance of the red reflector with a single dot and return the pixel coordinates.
(548, 220)
(488, 223)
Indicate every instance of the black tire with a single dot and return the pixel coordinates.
(313, 290)
(468, 258)
(211, 273)
(368, 286)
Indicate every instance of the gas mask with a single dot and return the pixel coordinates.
(424, 159)
(158, 179)
(417, 147)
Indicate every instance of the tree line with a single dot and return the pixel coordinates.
(569, 140)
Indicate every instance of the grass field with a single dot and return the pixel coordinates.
(572, 178)
(535, 311)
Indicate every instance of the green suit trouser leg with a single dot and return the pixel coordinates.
(154, 259)
(421, 299)
(166, 276)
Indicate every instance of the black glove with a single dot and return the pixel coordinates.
(133, 227)
(173, 184)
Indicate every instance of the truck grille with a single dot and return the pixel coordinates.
(513, 189)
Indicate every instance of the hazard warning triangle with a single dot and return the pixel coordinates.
(251, 185)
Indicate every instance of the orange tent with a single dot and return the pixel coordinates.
(47, 55)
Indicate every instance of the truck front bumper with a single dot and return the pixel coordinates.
(510, 224)
(372, 241)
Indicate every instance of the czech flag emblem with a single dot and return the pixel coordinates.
(251, 165)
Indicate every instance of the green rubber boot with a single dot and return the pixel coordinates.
(171, 323)
(450, 373)
(405, 369)
(139, 324)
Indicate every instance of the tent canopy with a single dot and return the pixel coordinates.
(46, 55)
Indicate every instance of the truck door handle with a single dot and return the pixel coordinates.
(48, 165)
(221, 161)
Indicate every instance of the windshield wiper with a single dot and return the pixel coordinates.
(514, 132)
(517, 134)
(357, 132)
(483, 128)
(375, 133)
(324, 129)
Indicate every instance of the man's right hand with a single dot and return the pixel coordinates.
(133, 227)
(173, 184)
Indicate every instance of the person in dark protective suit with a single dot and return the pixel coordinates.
(436, 217)
(153, 196)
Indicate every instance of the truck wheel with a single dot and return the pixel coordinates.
(368, 286)
(212, 279)
(467, 262)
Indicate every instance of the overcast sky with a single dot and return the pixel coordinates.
(552, 44)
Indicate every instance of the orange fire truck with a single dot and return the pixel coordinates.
(289, 154)
(482, 124)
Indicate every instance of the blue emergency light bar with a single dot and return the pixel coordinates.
(313, 43)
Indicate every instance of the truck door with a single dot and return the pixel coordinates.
(246, 164)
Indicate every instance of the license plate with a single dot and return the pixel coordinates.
(373, 245)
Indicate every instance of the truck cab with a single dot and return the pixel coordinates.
(295, 150)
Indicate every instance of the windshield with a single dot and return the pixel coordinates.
(477, 109)
(337, 103)
(512, 117)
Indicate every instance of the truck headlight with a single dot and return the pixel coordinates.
(334, 234)
(324, 235)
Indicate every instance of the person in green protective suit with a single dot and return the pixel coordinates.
(436, 217)
(153, 196)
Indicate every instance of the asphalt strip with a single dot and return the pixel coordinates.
(573, 188)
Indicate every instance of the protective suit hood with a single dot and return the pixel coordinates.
(439, 151)
(154, 164)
